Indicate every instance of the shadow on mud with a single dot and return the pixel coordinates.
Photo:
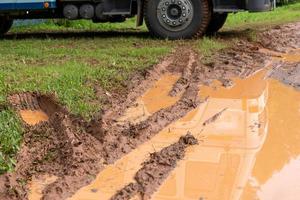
(235, 34)
(77, 34)
(228, 34)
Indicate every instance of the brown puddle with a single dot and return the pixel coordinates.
(209, 170)
(153, 100)
(33, 117)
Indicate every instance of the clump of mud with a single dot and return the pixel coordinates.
(288, 73)
(281, 38)
(156, 170)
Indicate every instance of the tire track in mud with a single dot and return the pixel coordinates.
(155, 170)
(75, 150)
(71, 149)
(120, 140)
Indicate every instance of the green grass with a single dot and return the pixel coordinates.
(79, 25)
(207, 46)
(288, 13)
(73, 65)
(10, 138)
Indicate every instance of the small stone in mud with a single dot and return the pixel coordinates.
(94, 190)
(227, 83)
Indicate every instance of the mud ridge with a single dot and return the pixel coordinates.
(155, 170)
(119, 140)
(173, 63)
(58, 147)
(289, 74)
(281, 38)
(133, 135)
(187, 72)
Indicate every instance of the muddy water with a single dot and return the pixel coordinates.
(250, 151)
(221, 165)
(111, 179)
(153, 100)
(275, 174)
(209, 170)
(33, 117)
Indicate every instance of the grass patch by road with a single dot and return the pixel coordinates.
(284, 14)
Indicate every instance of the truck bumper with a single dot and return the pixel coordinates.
(259, 5)
(226, 6)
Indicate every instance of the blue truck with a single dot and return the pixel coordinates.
(173, 19)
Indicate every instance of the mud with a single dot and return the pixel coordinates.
(281, 38)
(59, 144)
(156, 170)
(288, 74)
(187, 72)
(56, 146)
(74, 150)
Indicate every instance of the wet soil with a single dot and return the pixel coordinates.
(155, 170)
(288, 74)
(163, 104)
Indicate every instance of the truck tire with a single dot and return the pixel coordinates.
(216, 23)
(177, 19)
(5, 25)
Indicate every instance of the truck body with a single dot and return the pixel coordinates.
(165, 18)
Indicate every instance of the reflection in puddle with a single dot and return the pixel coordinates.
(33, 117)
(280, 154)
(251, 151)
(209, 170)
(219, 168)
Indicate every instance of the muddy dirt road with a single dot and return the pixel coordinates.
(188, 129)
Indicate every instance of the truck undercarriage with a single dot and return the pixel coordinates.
(173, 19)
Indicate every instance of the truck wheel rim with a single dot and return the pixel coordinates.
(175, 15)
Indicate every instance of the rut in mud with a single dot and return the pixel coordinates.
(66, 146)
(60, 144)
(155, 170)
